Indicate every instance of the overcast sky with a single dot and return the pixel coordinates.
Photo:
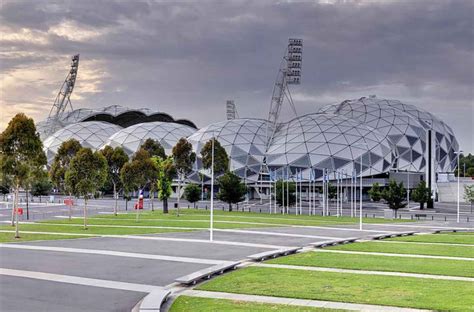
(187, 58)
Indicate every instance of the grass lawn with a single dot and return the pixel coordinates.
(379, 263)
(342, 287)
(432, 250)
(10, 237)
(455, 238)
(186, 303)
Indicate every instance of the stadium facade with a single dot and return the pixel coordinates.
(372, 137)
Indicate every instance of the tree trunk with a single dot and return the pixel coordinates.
(194, 204)
(27, 206)
(230, 207)
(70, 208)
(17, 231)
(422, 206)
(395, 210)
(165, 205)
(85, 213)
(14, 203)
(152, 197)
(116, 199)
(179, 194)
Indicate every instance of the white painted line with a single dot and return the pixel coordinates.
(235, 222)
(426, 226)
(365, 272)
(296, 302)
(159, 238)
(393, 254)
(116, 226)
(274, 233)
(423, 243)
(190, 240)
(80, 280)
(114, 253)
(50, 233)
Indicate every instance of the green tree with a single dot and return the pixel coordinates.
(287, 198)
(138, 173)
(5, 184)
(375, 192)
(86, 174)
(41, 186)
(192, 193)
(184, 158)
(470, 172)
(221, 159)
(469, 194)
(66, 151)
(332, 190)
(466, 164)
(153, 148)
(421, 194)
(395, 196)
(231, 189)
(21, 154)
(116, 158)
(166, 172)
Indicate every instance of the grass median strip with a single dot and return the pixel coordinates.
(438, 238)
(6, 237)
(187, 303)
(379, 263)
(431, 250)
(346, 287)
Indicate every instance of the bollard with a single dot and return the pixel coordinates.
(260, 210)
(467, 219)
(206, 207)
(444, 218)
(412, 217)
(432, 217)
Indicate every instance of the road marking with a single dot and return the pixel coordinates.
(191, 240)
(365, 272)
(393, 254)
(51, 233)
(424, 243)
(114, 226)
(274, 233)
(236, 222)
(76, 280)
(114, 253)
(295, 302)
(420, 226)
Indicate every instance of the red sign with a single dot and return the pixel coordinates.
(68, 202)
(19, 211)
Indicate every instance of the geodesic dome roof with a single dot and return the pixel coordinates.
(90, 134)
(406, 127)
(166, 133)
(313, 142)
(244, 141)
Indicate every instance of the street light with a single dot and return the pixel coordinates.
(459, 193)
(211, 235)
(360, 216)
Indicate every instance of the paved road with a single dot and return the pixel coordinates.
(113, 274)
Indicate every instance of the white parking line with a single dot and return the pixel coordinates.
(80, 280)
(114, 253)
(275, 234)
(393, 254)
(423, 243)
(365, 272)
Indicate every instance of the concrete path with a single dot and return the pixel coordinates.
(296, 302)
(393, 254)
(364, 272)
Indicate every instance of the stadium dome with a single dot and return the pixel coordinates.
(166, 133)
(91, 134)
(244, 141)
(406, 127)
(313, 142)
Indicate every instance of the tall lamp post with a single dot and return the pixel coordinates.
(211, 235)
(361, 168)
(459, 192)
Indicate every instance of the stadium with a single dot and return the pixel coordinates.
(370, 137)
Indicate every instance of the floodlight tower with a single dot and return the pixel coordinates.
(288, 74)
(63, 99)
(231, 111)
